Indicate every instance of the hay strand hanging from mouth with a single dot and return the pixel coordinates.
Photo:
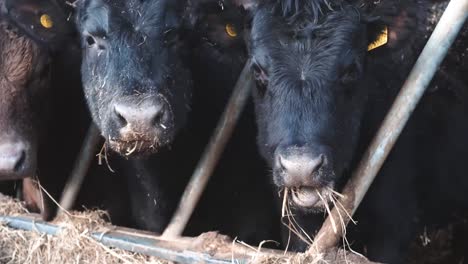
(288, 220)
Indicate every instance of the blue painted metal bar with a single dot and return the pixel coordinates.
(413, 89)
(159, 248)
(30, 223)
(178, 250)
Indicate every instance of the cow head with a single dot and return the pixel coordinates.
(134, 71)
(313, 63)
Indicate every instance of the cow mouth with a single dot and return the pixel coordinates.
(304, 197)
(134, 148)
(311, 197)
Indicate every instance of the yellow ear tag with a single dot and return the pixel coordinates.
(46, 21)
(231, 30)
(381, 40)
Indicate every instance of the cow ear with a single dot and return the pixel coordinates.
(396, 26)
(378, 37)
(43, 20)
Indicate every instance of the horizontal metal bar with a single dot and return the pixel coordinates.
(30, 224)
(177, 250)
(185, 250)
(158, 248)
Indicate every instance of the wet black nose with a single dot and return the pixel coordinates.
(144, 118)
(13, 160)
(299, 167)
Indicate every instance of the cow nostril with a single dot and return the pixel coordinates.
(120, 118)
(280, 163)
(316, 164)
(20, 162)
(319, 163)
(157, 120)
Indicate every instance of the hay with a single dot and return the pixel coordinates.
(334, 256)
(8, 206)
(72, 245)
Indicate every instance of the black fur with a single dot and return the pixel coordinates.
(134, 52)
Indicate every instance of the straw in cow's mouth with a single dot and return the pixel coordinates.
(103, 155)
(134, 147)
(291, 223)
(327, 197)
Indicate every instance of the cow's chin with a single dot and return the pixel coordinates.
(311, 199)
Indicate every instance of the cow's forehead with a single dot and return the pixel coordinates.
(329, 34)
(267, 23)
(132, 14)
(134, 11)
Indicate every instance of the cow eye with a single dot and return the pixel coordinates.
(94, 42)
(261, 78)
(171, 35)
(90, 40)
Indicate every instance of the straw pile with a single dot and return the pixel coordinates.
(73, 245)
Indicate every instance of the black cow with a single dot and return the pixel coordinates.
(142, 62)
(138, 88)
(322, 90)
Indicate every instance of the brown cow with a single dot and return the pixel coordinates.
(31, 34)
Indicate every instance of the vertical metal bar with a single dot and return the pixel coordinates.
(81, 167)
(212, 153)
(413, 89)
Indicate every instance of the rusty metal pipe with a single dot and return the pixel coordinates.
(81, 167)
(212, 154)
(413, 89)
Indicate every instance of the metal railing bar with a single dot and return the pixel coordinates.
(181, 250)
(80, 168)
(212, 154)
